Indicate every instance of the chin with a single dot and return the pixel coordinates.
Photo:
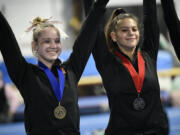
(51, 60)
(53, 57)
(132, 46)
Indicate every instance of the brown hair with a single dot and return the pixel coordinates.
(117, 15)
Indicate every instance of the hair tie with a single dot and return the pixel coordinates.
(119, 11)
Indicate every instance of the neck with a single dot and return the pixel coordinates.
(129, 52)
(48, 64)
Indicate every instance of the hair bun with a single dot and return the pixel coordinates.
(118, 11)
(38, 20)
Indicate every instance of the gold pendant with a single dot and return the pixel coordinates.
(59, 112)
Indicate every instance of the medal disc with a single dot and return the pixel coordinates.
(139, 104)
(59, 112)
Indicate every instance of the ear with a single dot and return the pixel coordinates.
(113, 36)
(34, 45)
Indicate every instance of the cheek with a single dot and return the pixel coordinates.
(59, 48)
(41, 48)
(138, 36)
(121, 38)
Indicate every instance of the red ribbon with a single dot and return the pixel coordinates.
(138, 79)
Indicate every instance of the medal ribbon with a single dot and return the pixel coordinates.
(58, 87)
(138, 79)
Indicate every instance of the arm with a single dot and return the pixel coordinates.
(151, 29)
(100, 51)
(12, 56)
(87, 6)
(173, 24)
(86, 39)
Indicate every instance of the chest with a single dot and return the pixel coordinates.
(41, 90)
(117, 78)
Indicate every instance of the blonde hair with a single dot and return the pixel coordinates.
(112, 26)
(38, 25)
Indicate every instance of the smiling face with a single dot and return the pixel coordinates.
(48, 46)
(126, 34)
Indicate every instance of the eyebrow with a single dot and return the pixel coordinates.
(51, 38)
(128, 27)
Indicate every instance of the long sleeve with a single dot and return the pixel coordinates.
(86, 39)
(151, 28)
(100, 51)
(87, 5)
(10, 50)
(173, 24)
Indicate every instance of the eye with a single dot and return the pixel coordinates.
(47, 41)
(135, 29)
(124, 30)
(57, 41)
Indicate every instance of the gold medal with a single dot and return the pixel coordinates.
(59, 112)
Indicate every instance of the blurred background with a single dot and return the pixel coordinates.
(93, 103)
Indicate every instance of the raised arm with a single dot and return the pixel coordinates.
(100, 49)
(10, 51)
(86, 39)
(151, 28)
(173, 24)
(101, 53)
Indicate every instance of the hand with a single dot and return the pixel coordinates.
(101, 3)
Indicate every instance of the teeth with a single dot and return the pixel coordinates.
(52, 52)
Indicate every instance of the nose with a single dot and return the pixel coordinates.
(53, 44)
(131, 32)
